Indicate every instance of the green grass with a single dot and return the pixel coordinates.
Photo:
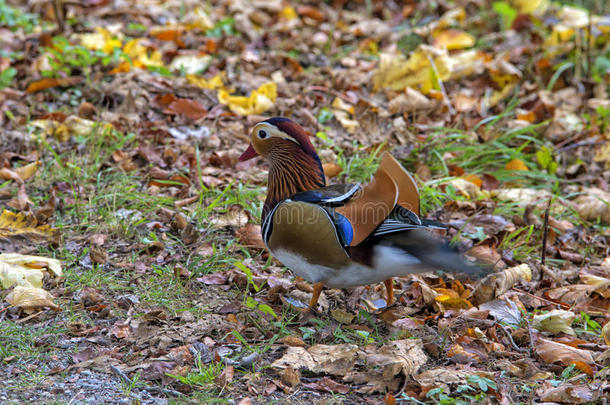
(27, 344)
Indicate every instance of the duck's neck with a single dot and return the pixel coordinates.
(291, 173)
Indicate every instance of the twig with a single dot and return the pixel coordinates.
(509, 336)
(74, 397)
(27, 318)
(128, 381)
(529, 331)
(545, 230)
(121, 374)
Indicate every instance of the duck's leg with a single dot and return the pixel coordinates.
(389, 288)
(317, 289)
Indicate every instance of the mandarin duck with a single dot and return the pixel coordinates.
(343, 235)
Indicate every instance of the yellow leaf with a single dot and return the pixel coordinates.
(101, 40)
(339, 104)
(529, 6)
(198, 19)
(288, 13)
(139, 55)
(214, 83)
(603, 155)
(24, 270)
(349, 124)
(474, 179)
(259, 101)
(72, 126)
(16, 226)
(555, 321)
(397, 73)
(31, 299)
(27, 171)
(452, 39)
(516, 164)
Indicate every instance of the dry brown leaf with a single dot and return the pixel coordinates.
(486, 254)
(8, 174)
(553, 352)
(497, 284)
(31, 299)
(523, 196)
(292, 341)
(567, 393)
(225, 377)
(328, 385)
(503, 310)
(409, 101)
(290, 377)
(250, 235)
(384, 364)
(236, 217)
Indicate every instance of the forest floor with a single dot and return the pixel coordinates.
(120, 127)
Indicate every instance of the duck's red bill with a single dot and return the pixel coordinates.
(248, 154)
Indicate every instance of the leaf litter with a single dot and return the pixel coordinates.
(129, 226)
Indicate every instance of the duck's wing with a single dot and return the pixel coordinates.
(373, 205)
(337, 194)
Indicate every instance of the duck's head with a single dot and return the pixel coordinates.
(294, 163)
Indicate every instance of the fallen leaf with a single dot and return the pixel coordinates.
(26, 271)
(567, 393)
(225, 377)
(516, 164)
(31, 299)
(466, 188)
(48, 83)
(259, 101)
(452, 39)
(593, 205)
(555, 321)
(553, 352)
(503, 310)
(250, 235)
(605, 333)
(290, 377)
(331, 169)
(497, 284)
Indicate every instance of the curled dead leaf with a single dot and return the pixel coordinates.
(31, 299)
(497, 284)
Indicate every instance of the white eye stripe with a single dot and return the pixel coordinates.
(272, 131)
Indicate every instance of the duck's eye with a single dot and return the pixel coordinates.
(262, 134)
